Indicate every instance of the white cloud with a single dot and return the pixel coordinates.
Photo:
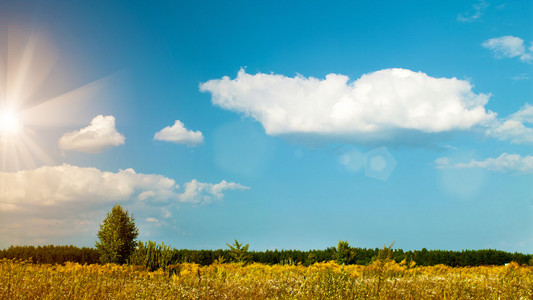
(508, 46)
(179, 134)
(442, 162)
(525, 114)
(93, 138)
(522, 76)
(52, 203)
(146, 194)
(58, 185)
(514, 131)
(512, 128)
(474, 13)
(198, 192)
(503, 163)
(375, 105)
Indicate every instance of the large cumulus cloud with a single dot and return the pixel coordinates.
(50, 203)
(376, 104)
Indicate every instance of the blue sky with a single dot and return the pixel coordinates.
(283, 124)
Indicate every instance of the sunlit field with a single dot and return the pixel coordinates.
(380, 280)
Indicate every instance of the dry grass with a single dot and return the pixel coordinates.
(381, 280)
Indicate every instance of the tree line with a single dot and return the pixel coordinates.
(117, 244)
(363, 256)
(52, 254)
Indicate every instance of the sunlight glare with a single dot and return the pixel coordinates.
(9, 123)
(36, 96)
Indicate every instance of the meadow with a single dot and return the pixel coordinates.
(382, 279)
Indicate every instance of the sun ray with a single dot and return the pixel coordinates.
(3, 66)
(20, 68)
(68, 109)
(36, 151)
(3, 92)
(34, 98)
(22, 153)
(30, 62)
(4, 155)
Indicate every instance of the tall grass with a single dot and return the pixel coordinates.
(383, 279)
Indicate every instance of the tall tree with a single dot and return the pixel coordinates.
(238, 252)
(344, 254)
(117, 236)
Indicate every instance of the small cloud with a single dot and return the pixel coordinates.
(474, 13)
(199, 192)
(155, 222)
(513, 128)
(100, 134)
(508, 46)
(450, 147)
(442, 163)
(522, 76)
(166, 213)
(503, 163)
(525, 114)
(146, 194)
(179, 134)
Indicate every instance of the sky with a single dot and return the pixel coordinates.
(282, 124)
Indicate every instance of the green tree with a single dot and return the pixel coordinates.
(117, 236)
(344, 253)
(385, 255)
(238, 251)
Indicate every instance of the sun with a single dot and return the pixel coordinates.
(32, 107)
(10, 124)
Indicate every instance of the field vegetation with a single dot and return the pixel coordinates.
(382, 279)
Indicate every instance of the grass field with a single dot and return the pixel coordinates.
(380, 280)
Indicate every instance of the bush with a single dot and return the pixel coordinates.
(152, 256)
